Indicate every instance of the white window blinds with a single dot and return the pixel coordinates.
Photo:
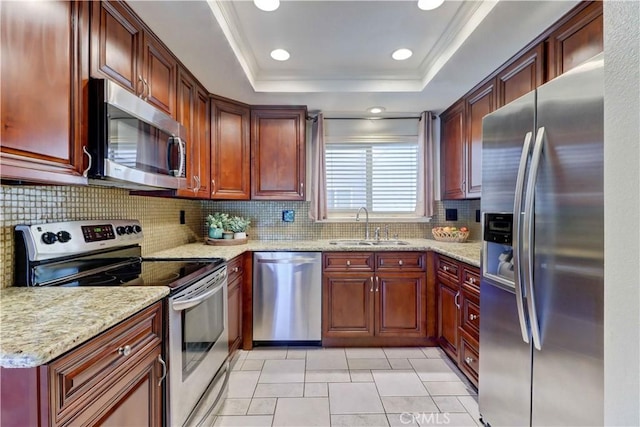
(373, 164)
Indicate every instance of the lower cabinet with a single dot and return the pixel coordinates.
(374, 298)
(459, 313)
(235, 277)
(114, 379)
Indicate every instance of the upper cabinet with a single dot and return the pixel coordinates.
(123, 51)
(43, 69)
(572, 40)
(230, 155)
(278, 153)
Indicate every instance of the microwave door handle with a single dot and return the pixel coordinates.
(170, 141)
(182, 147)
(517, 224)
(180, 305)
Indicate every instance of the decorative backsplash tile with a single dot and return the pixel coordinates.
(160, 217)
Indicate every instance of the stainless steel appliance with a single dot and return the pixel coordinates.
(108, 253)
(131, 143)
(541, 295)
(287, 297)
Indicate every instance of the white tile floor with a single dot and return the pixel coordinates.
(347, 387)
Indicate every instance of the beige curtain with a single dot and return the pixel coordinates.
(425, 175)
(318, 208)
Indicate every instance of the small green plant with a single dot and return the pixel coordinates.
(238, 224)
(218, 220)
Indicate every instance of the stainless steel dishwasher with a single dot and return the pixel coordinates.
(287, 297)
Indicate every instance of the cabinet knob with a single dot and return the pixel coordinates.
(124, 351)
(445, 268)
(473, 316)
(400, 262)
(236, 269)
(348, 263)
(469, 360)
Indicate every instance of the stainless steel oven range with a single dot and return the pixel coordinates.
(108, 253)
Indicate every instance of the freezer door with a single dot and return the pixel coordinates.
(568, 373)
(505, 361)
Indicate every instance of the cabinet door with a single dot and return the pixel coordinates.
(116, 39)
(43, 109)
(575, 41)
(521, 76)
(448, 318)
(230, 156)
(159, 73)
(278, 154)
(479, 104)
(401, 304)
(452, 156)
(347, 305)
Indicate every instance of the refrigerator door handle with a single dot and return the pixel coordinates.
(517, 253)
(528, 235)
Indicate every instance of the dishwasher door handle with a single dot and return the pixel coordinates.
(287, 261)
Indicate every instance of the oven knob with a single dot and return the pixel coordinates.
(120, 230)
(49, 238)
(64, 236)
(137, 229)
(128, 229)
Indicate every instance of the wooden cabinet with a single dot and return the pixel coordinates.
(230, 155)
(193, 114)
(459, 313)
(235, 277)
(125, 52)
(452, 152)
(480, 103)
(278, 153)
(576, 40)
(374, 298)
(43, 111)
(114, 379)
(520, 76)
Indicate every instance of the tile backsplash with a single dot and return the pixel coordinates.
(160, 217)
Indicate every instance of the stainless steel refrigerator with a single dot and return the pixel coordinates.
(542, 287)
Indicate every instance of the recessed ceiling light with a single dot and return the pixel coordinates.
(280, 54)
(376, 110)
(401, 54)
(429, 4)
(267, 5)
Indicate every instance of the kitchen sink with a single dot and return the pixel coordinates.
(352, 242)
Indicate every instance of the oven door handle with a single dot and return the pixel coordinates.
(180, 305)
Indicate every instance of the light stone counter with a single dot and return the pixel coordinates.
(39, 324)
(468, 252)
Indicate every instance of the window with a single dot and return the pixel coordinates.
(372, 164)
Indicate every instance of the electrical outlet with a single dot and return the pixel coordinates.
(182, 218)
(288, 215)
(477, 215)
(451, 214)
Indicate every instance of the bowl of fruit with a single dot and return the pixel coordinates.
(450, 234)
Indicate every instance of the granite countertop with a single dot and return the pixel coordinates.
(468, 252)
(39, 324)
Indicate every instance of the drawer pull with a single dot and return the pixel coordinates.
(445, 268)
(471, 281)
(473, 316)
(236, 269)
(469, 360)
(124, 351)
(400, 263)
(348, 263)
(164, 370)
(371, 290)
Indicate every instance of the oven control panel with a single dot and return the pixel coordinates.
(55, 239)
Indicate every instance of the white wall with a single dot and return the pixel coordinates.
(622, 207)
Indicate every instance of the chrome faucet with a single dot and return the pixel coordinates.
(376, 234)
(366, 225)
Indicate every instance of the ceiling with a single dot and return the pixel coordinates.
(341, 50)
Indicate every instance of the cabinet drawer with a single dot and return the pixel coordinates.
(84, 373)
(235, 268)
(470, 306)
(447, 268)
(400, 261)
(348, 261)
(469, 357)
(471, 278)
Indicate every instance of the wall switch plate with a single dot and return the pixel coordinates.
(451, 214)
(288, 215)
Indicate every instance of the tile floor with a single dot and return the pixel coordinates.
(347, 387)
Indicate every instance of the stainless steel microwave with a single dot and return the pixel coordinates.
(131, 143)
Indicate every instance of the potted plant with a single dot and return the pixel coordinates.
(216, 224)
(239, 226)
